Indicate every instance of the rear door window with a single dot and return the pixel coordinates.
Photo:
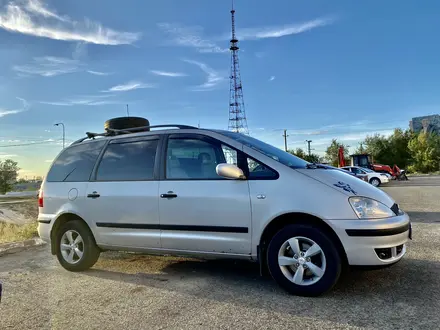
(128, 161)
(75, 164)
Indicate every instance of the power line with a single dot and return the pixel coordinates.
(27, 144)
(333, 127)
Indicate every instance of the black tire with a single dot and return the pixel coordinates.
(333, 260)
(375, 180)
(91, 251)
(126, 122)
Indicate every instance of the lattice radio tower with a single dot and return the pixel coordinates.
(237, 114)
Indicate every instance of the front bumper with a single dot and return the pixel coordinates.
(374, 242)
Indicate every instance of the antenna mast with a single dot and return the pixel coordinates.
(237, 114)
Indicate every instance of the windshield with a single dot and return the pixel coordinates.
(267, 149)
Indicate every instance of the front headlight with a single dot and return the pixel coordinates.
(367, 208)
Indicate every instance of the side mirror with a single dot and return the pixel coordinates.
(230, 171)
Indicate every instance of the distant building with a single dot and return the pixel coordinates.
(425, 124)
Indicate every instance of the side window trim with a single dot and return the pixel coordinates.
(92, 177)
(206, 138)
(246, 156)
(241, 156)
(159, 138)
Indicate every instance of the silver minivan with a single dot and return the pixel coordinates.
(181, 190)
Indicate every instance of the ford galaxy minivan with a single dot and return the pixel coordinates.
(206, 193)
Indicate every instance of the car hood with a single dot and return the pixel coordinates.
(347, 184)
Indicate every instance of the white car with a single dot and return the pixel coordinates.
(216, 194)
(375, 178)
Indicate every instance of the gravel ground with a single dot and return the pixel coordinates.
(143, 292)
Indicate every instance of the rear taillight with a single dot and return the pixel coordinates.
(40, 199)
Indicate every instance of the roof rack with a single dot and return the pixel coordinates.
(114, 132)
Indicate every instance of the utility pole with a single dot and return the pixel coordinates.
(285, 139)
(308, 146)
(128, 113)
(64, 133)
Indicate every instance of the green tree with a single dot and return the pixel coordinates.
(399, 144)
(390, 150)
(361, 149)
(331, 154)
(379, 147)
(313, 158)
(22, 180)
(8, 175)
(425, 150)
(298, 152)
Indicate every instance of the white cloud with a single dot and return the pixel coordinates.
(48, 161)
(213, 77)
(32, 18)
(98, 73)
(24, 107)
(36, 7)
(281, 31)
(191, 37)
(272, 78)
(168, 74)
(132, 85)
(8, 155)
(86, 100)
(79, 51)
(49, 66)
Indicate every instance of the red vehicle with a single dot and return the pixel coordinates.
(364, 160)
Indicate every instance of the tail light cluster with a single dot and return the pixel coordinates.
(40, 198)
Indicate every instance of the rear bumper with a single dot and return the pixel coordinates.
(45, 223)
(374, 242)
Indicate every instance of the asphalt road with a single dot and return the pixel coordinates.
(143, 292)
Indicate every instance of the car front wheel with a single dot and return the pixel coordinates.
(76, 247)
(375, 182)
(303, 260)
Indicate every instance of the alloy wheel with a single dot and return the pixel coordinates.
(72, 246)
(302, 261)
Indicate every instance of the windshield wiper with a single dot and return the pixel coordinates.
(313, 166)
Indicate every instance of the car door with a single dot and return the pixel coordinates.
(199, 210)
(122, 197)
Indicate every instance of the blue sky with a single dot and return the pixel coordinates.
(321, 69)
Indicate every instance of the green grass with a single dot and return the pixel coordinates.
(14, 233)
(417, 174)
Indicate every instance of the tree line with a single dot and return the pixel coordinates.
(415, 152)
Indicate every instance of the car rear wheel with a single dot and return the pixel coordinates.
(303, 260)
(375, 182)
(76, 247)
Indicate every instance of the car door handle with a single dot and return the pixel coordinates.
(93, 195)
(169, 194)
